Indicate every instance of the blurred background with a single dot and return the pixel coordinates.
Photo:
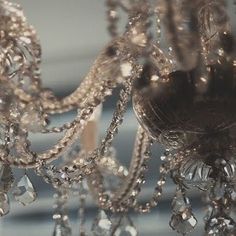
(72, 32)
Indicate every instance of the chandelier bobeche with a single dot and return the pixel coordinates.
(184, 96)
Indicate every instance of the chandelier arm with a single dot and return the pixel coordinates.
(99, 77)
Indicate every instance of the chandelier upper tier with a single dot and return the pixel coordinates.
(176, 61)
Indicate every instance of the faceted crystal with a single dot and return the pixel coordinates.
(24, 191)
(4, 204)
(6, 178)
(125, 227)
(183, 223)
(195, 173)
(61, 229)
(102, 225)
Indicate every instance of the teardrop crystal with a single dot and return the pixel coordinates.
(125, 227)
(24, 191)
(102, 225)
(4, 204)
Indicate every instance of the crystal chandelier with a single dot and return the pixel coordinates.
(176, 60)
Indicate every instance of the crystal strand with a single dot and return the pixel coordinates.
(117, 116)
(153, 202)
(64, 127)
(62, 227)
(158, 25)
(112, 16)
(82, 204)
(136, 163)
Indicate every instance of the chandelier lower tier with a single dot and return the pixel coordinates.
(176, 60)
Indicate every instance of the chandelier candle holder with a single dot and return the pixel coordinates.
(183, 91)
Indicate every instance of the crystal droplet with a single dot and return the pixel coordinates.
(24, 191)
(4, 204)
(102, 225)
(6, 178)
(184, 222)
(125, 227)
(61, 229)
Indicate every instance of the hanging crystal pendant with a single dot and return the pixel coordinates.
(125, 227)
(183, 223)
(24, 191)
(182, 220)
(6, 178)
(62, 226)
(61, 229)
(4, 204)
(102, 225)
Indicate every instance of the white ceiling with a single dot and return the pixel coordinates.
(72, 32)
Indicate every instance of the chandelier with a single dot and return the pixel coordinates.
(175, 61)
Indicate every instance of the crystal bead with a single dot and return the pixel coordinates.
(102, 225)
(61, 229)
(6, 178)
(125, 227)
(183, 223)
(24, 191)
(4, 204)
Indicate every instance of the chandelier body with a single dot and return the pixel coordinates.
(183, 93)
